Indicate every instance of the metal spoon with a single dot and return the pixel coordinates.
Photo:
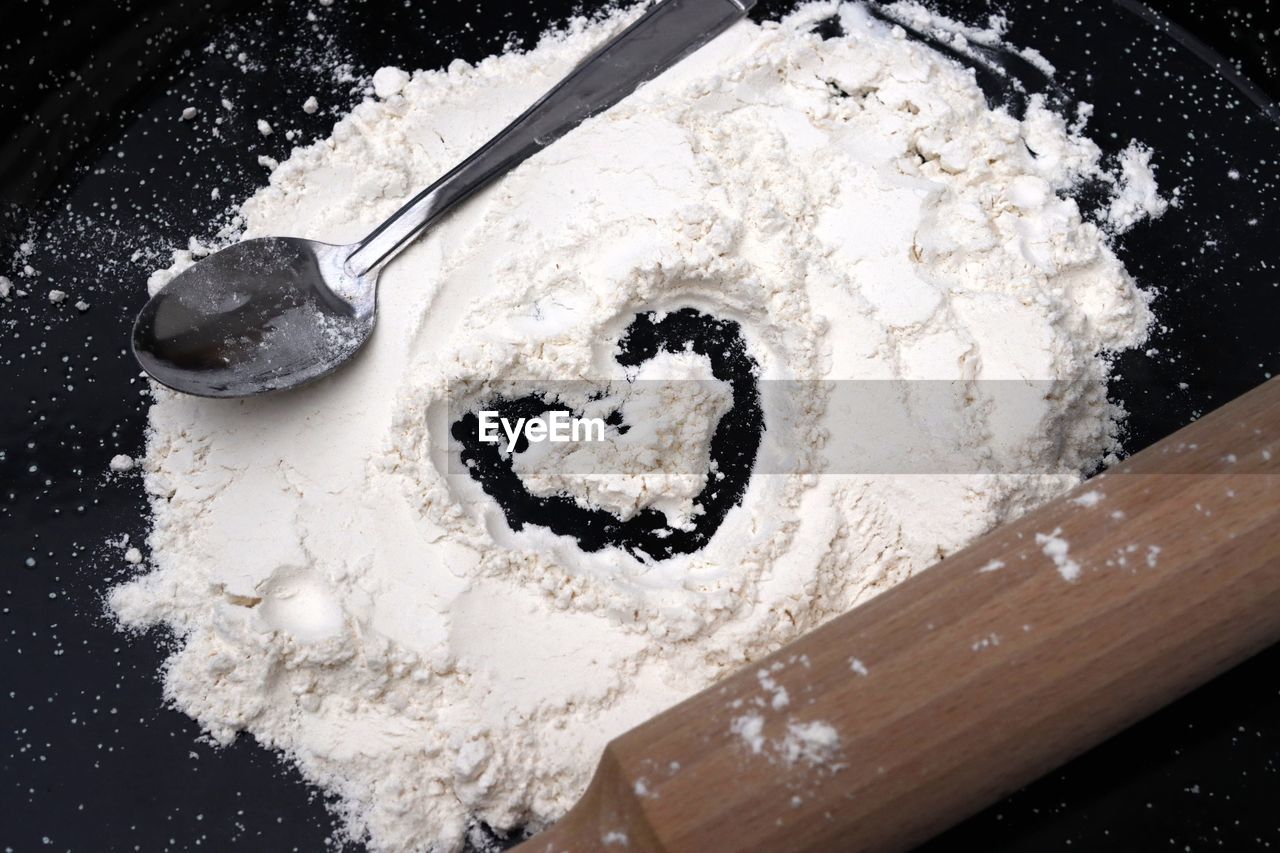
(274, 312)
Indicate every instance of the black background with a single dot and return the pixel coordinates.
(88, 758)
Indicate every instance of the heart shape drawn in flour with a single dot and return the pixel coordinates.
(646, 534)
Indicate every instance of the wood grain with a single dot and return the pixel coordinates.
(976, 681)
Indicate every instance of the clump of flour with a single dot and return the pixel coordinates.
(343, 590)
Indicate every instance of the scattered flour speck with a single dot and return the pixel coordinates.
(1057, 549)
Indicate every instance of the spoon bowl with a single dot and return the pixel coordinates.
(261, 315)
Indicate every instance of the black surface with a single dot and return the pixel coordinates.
(101, 175)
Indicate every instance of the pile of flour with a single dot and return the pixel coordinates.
(343, 591)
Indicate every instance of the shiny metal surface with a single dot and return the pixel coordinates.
(258, 316)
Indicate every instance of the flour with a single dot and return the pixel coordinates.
(342, 588)
(1137, 197)
(750, 727)
(121, 463)
(389, 81)
(1058, 550)
(814, 742)
(1088, 499)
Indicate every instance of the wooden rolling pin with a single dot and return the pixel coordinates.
(960, 685)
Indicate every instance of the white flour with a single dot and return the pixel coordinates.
(344, 595)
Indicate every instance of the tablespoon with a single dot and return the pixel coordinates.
(275, 312)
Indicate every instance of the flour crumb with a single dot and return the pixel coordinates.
(1090, 498)
(264, 127)
(388, 81)
(992, 566)
(749, 727)
(780, 699)
(985, 642)
(1137, 197)
(121, 463)
(814, 742)
(1056, 548)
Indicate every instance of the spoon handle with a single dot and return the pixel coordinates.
(660, 38)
